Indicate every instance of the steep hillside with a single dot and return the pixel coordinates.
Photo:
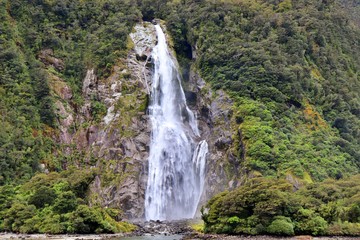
(52, 43)
(292, 67)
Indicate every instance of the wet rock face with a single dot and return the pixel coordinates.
(217, 125)
(144, 39)
(122, 145)
(191, 98)
(223, 142)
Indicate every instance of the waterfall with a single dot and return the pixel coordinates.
(176, 162)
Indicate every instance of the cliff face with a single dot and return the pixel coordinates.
(74, 90)
(111, 128)
(217, 125)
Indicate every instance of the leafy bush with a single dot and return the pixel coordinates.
(86, 220)
(16, 216)
(310, 223)
(66, 202)
(344, 228)
(42, 196)
(281, 226)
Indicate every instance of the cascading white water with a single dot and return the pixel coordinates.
(176, 163)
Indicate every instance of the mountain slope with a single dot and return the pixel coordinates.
(291, 69)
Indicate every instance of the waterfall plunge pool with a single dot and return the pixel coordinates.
(152, 237)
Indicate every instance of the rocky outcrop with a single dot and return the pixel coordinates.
(165, 228)
(47, 57)
(109, 130)
(217, 125)
(122, 138)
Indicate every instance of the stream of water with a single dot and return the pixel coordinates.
(177, 159)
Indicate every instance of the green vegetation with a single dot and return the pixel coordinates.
(56, 203)
(38, 41)
(271, 206)
(43, 44)
(198, 227)
(291, 67)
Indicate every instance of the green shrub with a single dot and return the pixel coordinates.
(233, 220)
(344, 228)
(281, 226)
(354, 213)
(58, 206)
(98, 110)
(52, 224)
(65, 202)
(16, 216)
(308, 222)
(42, 196)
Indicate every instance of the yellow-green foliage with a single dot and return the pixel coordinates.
(301, 142)
(285, 5)
(129, 43)
(198, 227)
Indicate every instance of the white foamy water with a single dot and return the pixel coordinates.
(176, 160)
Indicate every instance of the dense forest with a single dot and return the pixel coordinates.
(291, 68)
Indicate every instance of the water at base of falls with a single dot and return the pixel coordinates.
(176, 162)
(153, 237)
